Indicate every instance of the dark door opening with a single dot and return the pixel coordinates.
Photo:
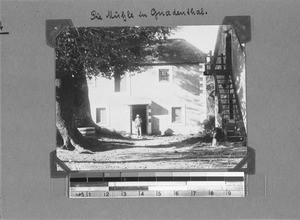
(142, 111)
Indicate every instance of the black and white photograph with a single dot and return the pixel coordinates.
(152, 97)
(149, 109)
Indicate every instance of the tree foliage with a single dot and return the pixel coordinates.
(107, 51)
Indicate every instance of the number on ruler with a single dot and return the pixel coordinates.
(228, 192)
(106, 194)
(193, 193)
(80, 194)
(123, 193)
(211, 193)
(158, 193)
(142, 193)
(88, 194)
(176, 193)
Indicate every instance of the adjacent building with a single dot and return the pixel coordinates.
(227, 66)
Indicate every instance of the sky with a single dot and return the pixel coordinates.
(203, 37)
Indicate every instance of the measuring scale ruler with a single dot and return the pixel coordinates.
(156, 184)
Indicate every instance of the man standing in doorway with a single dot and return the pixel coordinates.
(138, 125)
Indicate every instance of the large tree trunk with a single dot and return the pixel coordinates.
(70, 137)
(64, 84)
(83, 117)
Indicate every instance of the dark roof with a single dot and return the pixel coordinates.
(178, 51)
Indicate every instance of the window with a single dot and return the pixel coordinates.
(177, 115)
(120, 84)
(164, 75)
(101, 115)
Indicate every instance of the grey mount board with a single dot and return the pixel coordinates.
(27, 113)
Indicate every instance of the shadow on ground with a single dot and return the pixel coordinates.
(150, 142)
(156, 152)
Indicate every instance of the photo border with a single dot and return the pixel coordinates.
(242, 28)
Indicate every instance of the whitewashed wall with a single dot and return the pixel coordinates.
(183, 90)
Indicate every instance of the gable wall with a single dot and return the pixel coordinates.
(239, 74)
(183, 91)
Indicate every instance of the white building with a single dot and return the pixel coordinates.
(170, 95)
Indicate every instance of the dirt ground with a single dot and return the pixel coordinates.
(156, 152)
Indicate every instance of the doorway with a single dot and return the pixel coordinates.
(142, 111)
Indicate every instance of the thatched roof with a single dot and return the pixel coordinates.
(178, 51)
